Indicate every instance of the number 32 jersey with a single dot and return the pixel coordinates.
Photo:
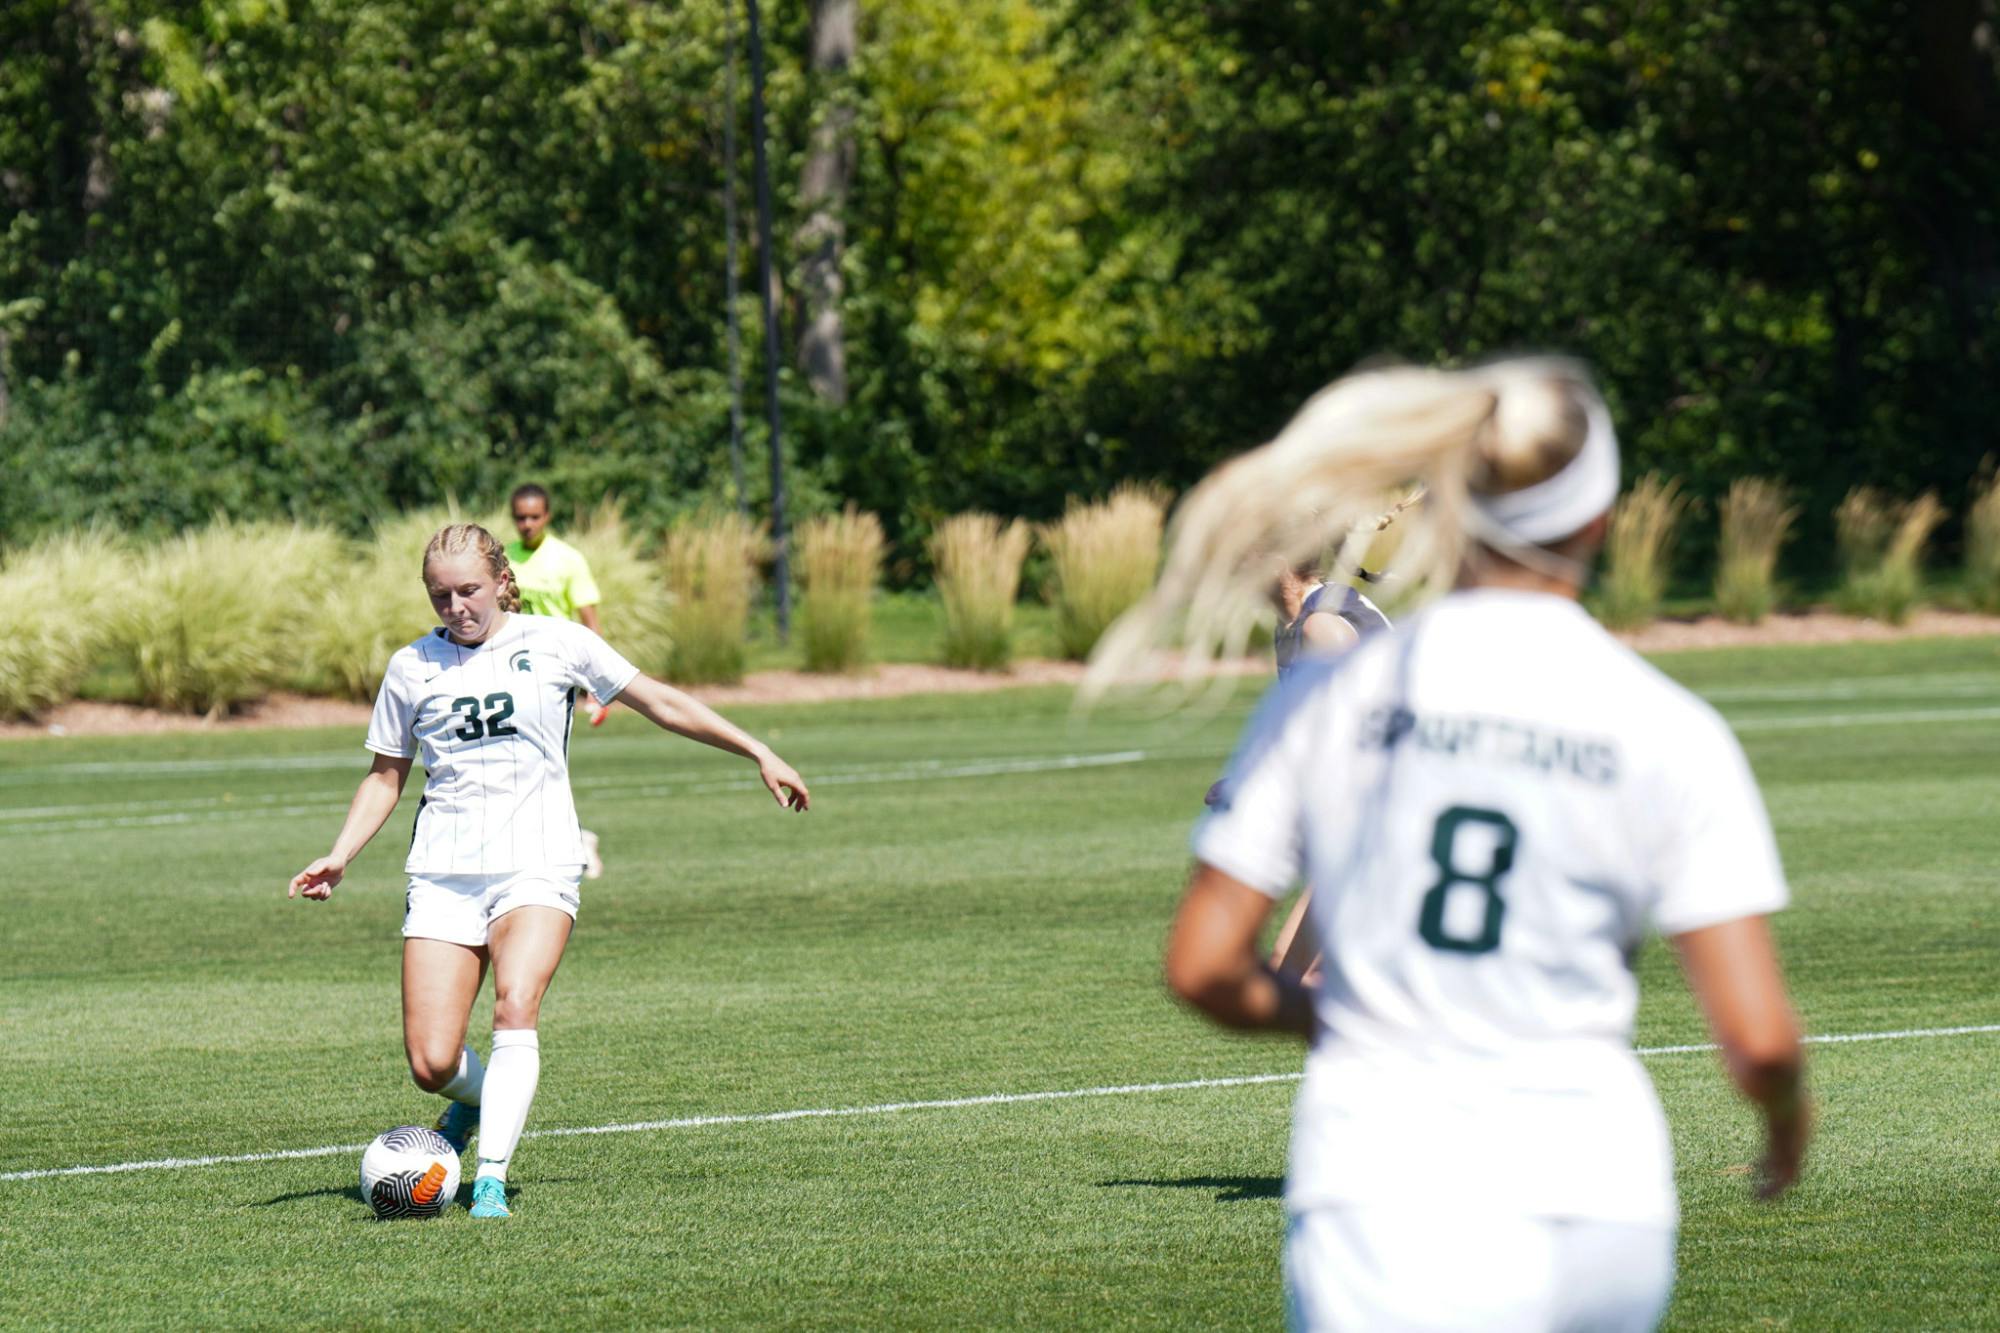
(1493, 809)
(492, 723)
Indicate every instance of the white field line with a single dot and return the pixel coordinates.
(1862, 689)
(47, 820)
(37, 774)
(1826, 720)
(887, 1108)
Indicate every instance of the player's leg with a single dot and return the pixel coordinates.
(444, 960)
(440, 980)
(527, 944)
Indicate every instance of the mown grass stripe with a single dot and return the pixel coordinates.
(66, 819)
(890, 1108)
(210, 809)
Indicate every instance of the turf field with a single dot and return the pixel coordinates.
(974, 907)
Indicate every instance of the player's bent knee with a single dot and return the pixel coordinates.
(512, 1012)
(432, 1072)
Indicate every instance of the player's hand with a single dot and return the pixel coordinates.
(598, 712)
(316, 881)
(784, 783)
(1785, 1151)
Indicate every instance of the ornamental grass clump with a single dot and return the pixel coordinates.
(1104, 558)
(710, 567)
(978, 562)
(1755, 522)
(217, 618)
(635, 612)
(59, 593)
(1882, 552)
(1982, 547)
(374, 604)
(1638, 552)
(840, 561)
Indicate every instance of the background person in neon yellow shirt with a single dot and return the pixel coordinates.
(554, 580)
(553, 576)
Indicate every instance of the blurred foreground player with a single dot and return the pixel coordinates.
(1493, 805)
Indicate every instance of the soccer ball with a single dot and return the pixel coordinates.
(409, 1172)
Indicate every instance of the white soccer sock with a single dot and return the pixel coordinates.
(511, 1074)
(465, 1084)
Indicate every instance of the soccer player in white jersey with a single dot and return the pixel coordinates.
(496, 855)
(1494, 805)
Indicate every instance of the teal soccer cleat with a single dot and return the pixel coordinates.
(457, 1124)
(489, 1197)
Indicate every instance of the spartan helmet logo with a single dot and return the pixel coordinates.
(519, 661)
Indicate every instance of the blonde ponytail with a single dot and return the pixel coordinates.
(1321, 483)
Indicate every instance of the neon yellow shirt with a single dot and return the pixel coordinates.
(554, 578)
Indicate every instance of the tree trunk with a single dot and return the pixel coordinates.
(829, 172)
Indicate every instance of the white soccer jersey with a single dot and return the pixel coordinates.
(492, 724)
(1492, 807)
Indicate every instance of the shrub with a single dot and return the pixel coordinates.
(1104, 558)
(1755, 521)
(978, 564)
(216, 616)
(710, 565)
(635, 612)
(1881, 551)
(1982, 547)
(1638, 554)
(375, 603)
(840, 561)
(58, 592)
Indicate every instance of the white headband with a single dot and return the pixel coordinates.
(1550, 510)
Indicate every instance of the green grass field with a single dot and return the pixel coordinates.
(974, 907)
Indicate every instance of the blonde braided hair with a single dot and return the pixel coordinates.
(471, 539)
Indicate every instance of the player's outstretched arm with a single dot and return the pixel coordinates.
(1733, 970)
(1213, 964)
(684, 715)
(373, 802)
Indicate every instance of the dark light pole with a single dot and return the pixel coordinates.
(729, 226)
(780, 535)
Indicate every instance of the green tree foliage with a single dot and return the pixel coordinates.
(1729, 209)
(271, 257)
(414, 249)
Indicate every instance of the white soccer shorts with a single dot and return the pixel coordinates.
(1398, 1270)
(461, 909)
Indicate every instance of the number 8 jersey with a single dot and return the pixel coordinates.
(1493, 809)
(492, 723)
